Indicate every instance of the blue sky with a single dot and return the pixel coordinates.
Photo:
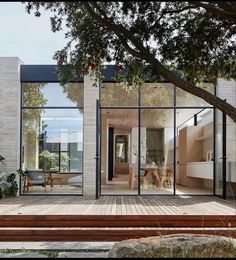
(25, 36)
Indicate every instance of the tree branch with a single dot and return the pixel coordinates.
(158, 68)
(216, 11)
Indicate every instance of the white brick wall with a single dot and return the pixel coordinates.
(10, 112)
(91, 94)
(227, 90)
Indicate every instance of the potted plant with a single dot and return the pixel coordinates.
(8, 184)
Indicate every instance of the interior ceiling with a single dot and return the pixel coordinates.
(150, 118)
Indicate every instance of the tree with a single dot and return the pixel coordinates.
(149, 39)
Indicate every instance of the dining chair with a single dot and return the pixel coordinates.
(133, 178)
(167, 179)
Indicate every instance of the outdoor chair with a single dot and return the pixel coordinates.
(35, 177)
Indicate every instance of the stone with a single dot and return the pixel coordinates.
(181, 245)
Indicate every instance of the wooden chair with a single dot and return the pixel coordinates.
(167, 179)
(35, 178)
(133, 178)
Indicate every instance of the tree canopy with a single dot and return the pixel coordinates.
(149, 39)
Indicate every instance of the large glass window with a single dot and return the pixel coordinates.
(168, 131)
(157, 151)
(231, 158)
(52, 140)
(194, 151)
(157, 94)
(53, 95)
(114, 94)
(185, 99)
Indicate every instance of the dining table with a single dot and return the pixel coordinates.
(155, 171)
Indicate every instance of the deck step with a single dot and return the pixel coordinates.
(109, 227)
(101, 234)
(117, 221)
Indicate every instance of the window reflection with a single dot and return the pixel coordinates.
(157, 151)
(157, 94)
(184, 98)
(43, 94)
(114, 94)
(52, 138)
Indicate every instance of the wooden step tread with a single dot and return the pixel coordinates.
(116, 221)
(101, 234)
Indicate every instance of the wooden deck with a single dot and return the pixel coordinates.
(68, 218)
(117, 205)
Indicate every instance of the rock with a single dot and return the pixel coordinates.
(181, 245)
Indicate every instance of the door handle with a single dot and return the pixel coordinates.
(97, 157)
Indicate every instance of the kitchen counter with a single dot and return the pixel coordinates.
(202, 170)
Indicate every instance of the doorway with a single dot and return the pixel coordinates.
(119, 151)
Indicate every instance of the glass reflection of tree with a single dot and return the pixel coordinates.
(32, 97)
(117, 94)
(157, 94)
(75, 93)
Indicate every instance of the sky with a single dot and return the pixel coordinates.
(28, 37)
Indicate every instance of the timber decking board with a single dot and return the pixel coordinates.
(101, 235)
(116, 205)
(113, 218)
(116, 221)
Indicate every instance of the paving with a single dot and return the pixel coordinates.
(54, 249)
(57, 245)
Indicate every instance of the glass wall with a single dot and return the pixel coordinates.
(157, 151)
(114, 94)
(161, 126)
(185, 99)
(194, 151)
(119, 151)
(231, 158)
(52, 138)
(219, 185)
(158, 94)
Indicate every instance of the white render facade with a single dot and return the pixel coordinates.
(95, 179)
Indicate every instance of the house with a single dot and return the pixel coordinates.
(102, 140)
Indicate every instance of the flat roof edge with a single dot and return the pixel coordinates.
(47, 73)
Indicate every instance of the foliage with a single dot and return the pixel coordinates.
(191, 40)
(21, 172)
(51, 161)
(2, 159)
(32, 97)
(148, 39)
(8, 184)
(47, 162)
(74, 93)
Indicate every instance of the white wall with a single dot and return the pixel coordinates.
(91, 94)
(227, 90)
(10, 112)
